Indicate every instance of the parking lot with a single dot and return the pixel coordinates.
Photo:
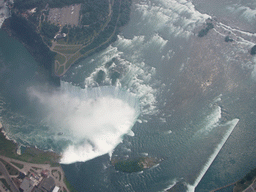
(65, 16)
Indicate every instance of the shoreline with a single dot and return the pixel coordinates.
(31, 154)
(47, 160)
(39, 57)
(56, 173)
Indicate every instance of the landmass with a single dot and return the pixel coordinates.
(253, 50)
(32, 171)
(203, 32)
(57, 34)
(132, 165)
(248, 183)
(61, 33)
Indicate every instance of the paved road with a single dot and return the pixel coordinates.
(7, 178)
(251, 188)
(53, 171)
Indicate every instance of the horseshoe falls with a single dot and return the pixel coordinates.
(158, 91)
(92, 120)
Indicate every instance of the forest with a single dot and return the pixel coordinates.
(26, 32)
(114, 22)
(97, 28)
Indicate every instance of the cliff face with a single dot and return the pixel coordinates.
(19, 28)
(34, 23)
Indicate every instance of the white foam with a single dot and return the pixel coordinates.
(173, 183)
(179, 16)
(136, 76)
(190, 188)
(243, 11)
(93, 120)
(4, 12)
(139, 121)
(232, 125)
(210, 122)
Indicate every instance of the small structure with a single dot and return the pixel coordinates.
(45, 173)
(21, 175)
(60, 35)
(27, 185)
(32, 11)
(56, 189)
(47, 185)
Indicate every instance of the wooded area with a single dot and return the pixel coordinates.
(98, 26)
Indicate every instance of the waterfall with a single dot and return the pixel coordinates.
(93, 120)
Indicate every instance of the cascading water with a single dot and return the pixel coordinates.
(167, 76)
(92, 120)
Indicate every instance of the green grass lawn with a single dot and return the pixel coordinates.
(18, 165)
(32, 155)
(60, 58)
(11, 170)
(70, 49)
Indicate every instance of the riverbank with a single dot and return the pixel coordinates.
(8, 148)
(37, 173)
(58, 44)
(32, 159)
(32, 41)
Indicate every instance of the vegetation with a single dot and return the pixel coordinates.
(69, 186)
(18, 165)
(26, 32)
(32, 155)
(246, 181)
(134, 164)
(5, 184)
(253, 50)
(61, 59)
(49, 30)
(204, 31)
(130, 166)
(11, 170)
(99, 24)
(125, 10)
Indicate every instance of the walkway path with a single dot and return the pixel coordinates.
(251, 188)
(228, 185)
(56, 172)
(71, 58)
(8, 179)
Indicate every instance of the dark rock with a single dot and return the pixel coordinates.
(253, 50)
(114, 77)
(204, 31)
(228, 39)
(100, 76)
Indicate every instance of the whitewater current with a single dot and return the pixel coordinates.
(4, 11)
(158, 91)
